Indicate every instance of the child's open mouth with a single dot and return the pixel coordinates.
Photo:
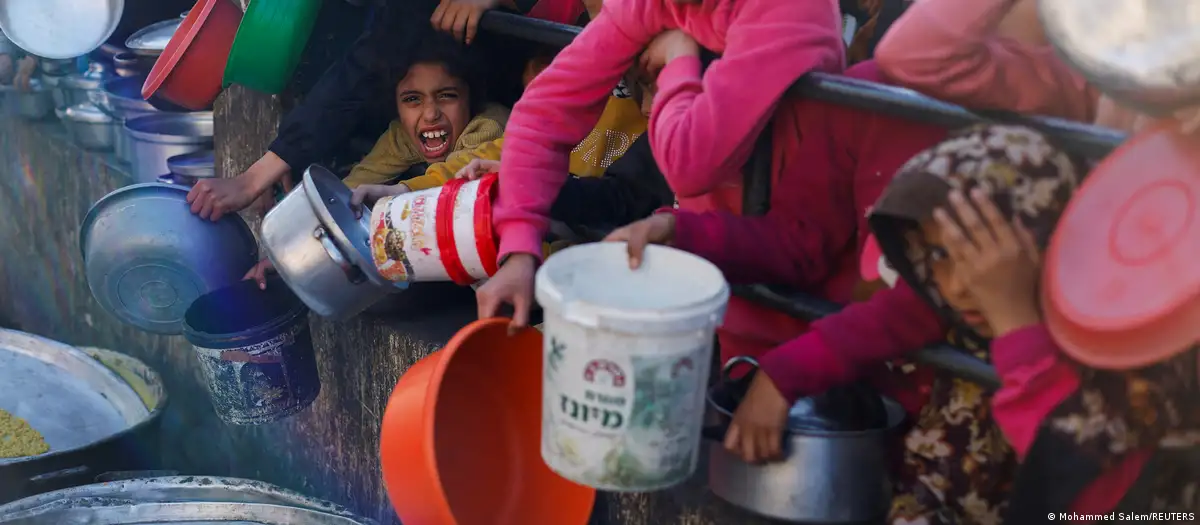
(435, 142)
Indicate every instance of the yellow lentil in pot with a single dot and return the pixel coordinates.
(18, 439)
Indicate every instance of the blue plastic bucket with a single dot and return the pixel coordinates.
(256, 351)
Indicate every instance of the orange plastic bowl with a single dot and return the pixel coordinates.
(1121, 281)
(461, 438)
(190, 69)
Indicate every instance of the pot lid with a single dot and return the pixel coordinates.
(1123, 257)
(60, 28)
(330, 199)
(146, 256)
(200, 164)
(87, 112)
(152, 39)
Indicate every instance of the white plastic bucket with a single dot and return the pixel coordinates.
(626, 360)
(438, 234)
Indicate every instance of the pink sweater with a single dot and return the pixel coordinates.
(949, 49)
(702, 128)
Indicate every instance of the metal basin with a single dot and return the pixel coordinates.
(147, 256)
(192, 500)
(35, 104)
(158, 137)
(89, 127)
(94, 407)
(122, 99)
(59, 29)
(1143, 53)
(321, 250)
(829, 475)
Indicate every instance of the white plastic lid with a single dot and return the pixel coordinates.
(673, 291)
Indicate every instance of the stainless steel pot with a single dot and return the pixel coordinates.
(321, 250)
(1143, 53)
(57, 67)
(51, 82)
(828, 476)
(158, 137)
(122, 99)
(184, 500)
(150, 41)
(126, 64)
(78, 88)
(189, 168)
(59, 29)
(89, 127)
(35, 104)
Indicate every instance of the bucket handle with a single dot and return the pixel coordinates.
(352, 272)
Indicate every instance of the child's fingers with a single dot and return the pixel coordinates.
(1028, 243)
(639, 237)
(473, 24)
(969, 218)
(960, 248)
(1000, 227)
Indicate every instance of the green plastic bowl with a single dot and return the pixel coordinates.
(269, 43)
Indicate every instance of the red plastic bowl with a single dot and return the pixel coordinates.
(190, 68)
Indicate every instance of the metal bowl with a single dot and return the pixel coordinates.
(60, 28)
(1142, 53)
(147, 256)
(150, 41)
(155, 138)
(35, 104)
(91, 128)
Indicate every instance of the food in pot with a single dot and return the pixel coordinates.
(18, 439)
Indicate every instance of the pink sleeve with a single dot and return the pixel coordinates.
(1035, 379)
(949, 49)
(703, 128)
(558, 109)
(890, 324)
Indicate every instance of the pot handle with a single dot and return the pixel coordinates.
(717, 432)
(352, 272)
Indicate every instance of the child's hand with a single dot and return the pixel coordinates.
(477, 168)
(512, 284)
(24, 75)
(665, 47)
(655, 229)
(998, 262)
(370, 193)
(756, 433)
(461, 17)
(259, 273)
(214, 198)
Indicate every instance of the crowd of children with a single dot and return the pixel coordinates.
(633, 128)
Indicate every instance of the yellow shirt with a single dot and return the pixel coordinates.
(621, 123)
(395, 152)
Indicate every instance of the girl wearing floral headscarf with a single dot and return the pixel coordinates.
(957, 468)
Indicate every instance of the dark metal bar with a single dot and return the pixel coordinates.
(756, 185)
(943, 357)
(1088, 140)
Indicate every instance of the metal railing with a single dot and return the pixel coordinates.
(1090, 141)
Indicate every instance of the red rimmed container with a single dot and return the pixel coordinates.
(438, 234)
(1121, 282)
(190, 69)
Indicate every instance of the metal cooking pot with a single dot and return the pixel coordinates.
(126, 64)
(78, 88)
(51, 82)
(89, 127)
(98, 410)
(160, 136)
(60, 28)
(321, 250)
(35, 104)
(147, 257)
(189, 168)
(829, 475)
(150, 41)
(1143, 53)
(57, 67)
(121, 98)
(183, 500)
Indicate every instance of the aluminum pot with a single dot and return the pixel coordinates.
(57, 67)
(52, 82)
(322, 250)
(126, 64)
(189, 168)
(828, 476)
(122, 99)
(158, 137)
(78, 88)
(35, 104)
(1142, 53)
(89, 127)
(179, 500)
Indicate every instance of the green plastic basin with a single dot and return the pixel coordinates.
(269, 43)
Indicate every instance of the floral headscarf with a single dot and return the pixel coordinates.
(1026, 175)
